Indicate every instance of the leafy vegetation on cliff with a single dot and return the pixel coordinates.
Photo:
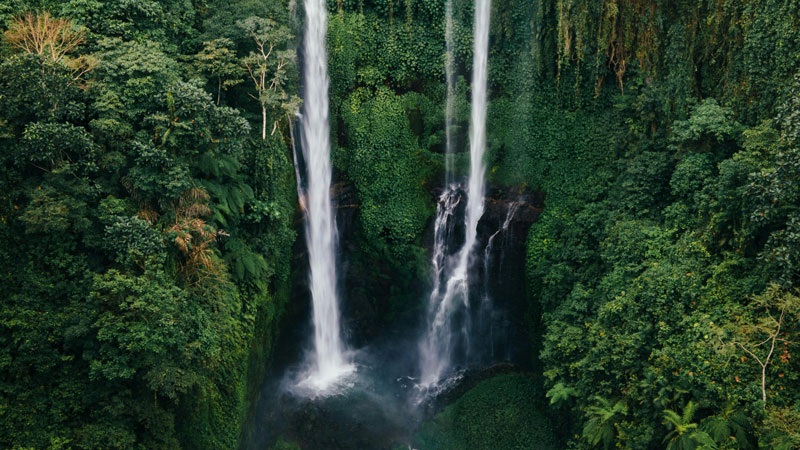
(664, 266)
(146, 228)
(503, 412)
(148, 202)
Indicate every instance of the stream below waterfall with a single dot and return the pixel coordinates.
(379, 406)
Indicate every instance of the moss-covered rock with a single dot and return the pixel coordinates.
(504, 412)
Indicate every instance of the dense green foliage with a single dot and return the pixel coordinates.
(664, 265)
(146, 231)
(148, 199)
(386, 94)
(502, 412)
(668, 248)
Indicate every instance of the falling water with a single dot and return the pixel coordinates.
(487, 310)
(437, 345)
(328, 360)
(450, 72)
(443, 229)
(512, 210)
(477, 141)
(450, 197)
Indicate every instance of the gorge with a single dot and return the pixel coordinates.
(385, 224)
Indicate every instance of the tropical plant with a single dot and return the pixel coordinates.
(761, 331)
(218, 59)
(268, 67)
(681, 428)
(603, 417)
(560, 393)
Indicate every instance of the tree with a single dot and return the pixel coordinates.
(762, 328)
(268, 67)
(50, 38)
(218, 59)
(44, 35)
(194, 237)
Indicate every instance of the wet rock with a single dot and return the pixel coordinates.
(468, 380)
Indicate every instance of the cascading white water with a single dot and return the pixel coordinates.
(328, 360)
(437, 344)
(477, 141)
(443, 228)
(450, 198)
(512, 210)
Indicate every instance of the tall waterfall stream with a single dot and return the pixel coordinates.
(329, 361)
(448, 320)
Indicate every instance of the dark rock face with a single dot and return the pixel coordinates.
(501, 316)
(500, 199)
(498, 275)
(364, 287)
(361, 282)
(378, 415)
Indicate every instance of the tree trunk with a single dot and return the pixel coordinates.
(219, 89)
(263, 123)
(767, 360)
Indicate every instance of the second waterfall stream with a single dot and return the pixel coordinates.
(448, 315)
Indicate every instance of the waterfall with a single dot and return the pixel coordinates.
(445, 309)
(443, 229)
(328, 362)
(477, 141)
(450, 73)
(486, 304)
(512, 210)
(450, 197)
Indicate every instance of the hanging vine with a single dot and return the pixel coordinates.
(625, 32)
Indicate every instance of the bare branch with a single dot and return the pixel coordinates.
(44, 35)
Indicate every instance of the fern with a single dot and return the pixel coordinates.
(561, 393)
(248, 266)
(601, 427)
(730, 425)
(703, 441)
(229, 199)
(680, 438)
(717, 428)
(218, 166)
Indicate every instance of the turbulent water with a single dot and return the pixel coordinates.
(328, 362)
(448, 311)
